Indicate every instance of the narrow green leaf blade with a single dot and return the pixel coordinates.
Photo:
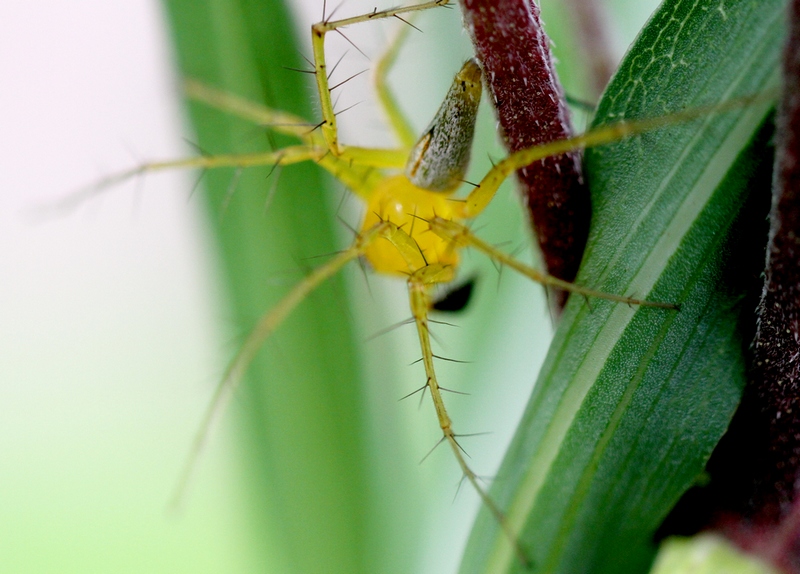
(631, 402)
(305, 435)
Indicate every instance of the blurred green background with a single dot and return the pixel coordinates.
(114, 323)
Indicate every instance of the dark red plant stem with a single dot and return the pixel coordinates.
(776, 368)
(756, 470)
(515, 55)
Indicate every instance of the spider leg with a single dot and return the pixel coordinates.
(390, 158)
(285, 156)
(418, 285)
(482, 195)
(461, 236)
(262, 331)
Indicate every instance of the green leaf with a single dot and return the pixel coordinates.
(306, 449)
(631, 402)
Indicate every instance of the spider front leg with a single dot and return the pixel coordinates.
(474, 204)
(376, 158)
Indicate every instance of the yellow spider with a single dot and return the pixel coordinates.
(415, 224)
